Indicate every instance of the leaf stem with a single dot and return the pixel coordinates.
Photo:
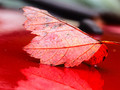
(110, 42)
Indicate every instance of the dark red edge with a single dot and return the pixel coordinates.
(99, 56)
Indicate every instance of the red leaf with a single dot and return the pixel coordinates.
(58, 78)
(58, 42)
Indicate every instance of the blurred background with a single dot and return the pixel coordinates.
(91, 16)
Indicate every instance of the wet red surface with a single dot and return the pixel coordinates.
(110, 68)
(21, 72)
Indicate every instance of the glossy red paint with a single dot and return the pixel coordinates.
(17, 68)
(110, 68)
(20, 71)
